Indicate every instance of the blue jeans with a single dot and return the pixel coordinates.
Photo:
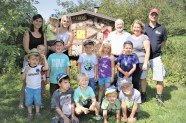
(92, 84)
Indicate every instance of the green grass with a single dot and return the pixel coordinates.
(173, 110)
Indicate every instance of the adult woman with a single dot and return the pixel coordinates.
(141, 47)
(64, 34)
(31, 40)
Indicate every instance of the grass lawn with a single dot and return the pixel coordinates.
(172, 111)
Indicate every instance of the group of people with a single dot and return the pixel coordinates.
(130, 54)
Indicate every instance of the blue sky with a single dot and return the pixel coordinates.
(47, 7)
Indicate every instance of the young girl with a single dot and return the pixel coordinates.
(64, 34)
(105, 67)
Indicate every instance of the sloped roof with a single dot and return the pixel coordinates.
(93, 14)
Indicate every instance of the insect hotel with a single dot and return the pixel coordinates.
(89, 25)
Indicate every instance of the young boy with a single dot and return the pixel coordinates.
(63, 102)
(111, 104)
(32, 75)
(130, 101)
(87, 63)
(84, 97)
(52, 29)
(126, 63)
(58, 63)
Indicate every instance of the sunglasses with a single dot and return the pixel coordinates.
(154, 14)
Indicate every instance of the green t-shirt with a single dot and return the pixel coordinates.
(106, 106)
(49, 34)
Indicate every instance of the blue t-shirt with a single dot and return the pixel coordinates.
(82, 97)
(58, 64)
(126, 62)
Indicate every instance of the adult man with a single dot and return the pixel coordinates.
(157, 35)
(118, 37)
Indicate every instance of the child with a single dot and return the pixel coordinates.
(126, 63)
(105, 67)
(51, 32)
(41, 50)
(63, 102)
(31, 73)
(87, 63)
(84, 97)
(130, 101)
(58, 63)
(111, 104)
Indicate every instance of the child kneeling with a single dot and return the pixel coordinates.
(111, 104)
(84, 97)
(130, 99)
(63, 102)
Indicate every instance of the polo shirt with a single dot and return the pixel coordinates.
(157, 35)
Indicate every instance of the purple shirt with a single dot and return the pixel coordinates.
(104, 67)
(126, 62)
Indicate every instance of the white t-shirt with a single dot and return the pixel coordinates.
(117, 41)
(33, 77)
(88, 63)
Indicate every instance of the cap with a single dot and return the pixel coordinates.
(110, 89)
(54, 16)
(128, 42)
(154, 11)
(125, 82)
(106, 42)
(32, 52)
(88, 42)
(59, 40)
(60, 76)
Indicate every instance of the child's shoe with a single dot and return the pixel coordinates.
(99, 117)
(37, 115)
(159, 99)
(30, 116)
(21, 106)
(143, 96)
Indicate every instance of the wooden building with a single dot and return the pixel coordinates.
(89, 25)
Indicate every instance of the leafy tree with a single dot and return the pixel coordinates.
(15, 19)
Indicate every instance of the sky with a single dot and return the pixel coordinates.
(47, 7)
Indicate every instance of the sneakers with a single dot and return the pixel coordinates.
(30, 116)
(21, 106)
(143, 96)
(99, 117)
(159, 99)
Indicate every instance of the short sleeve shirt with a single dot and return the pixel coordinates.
(88, 63)
(49, 34)
(83, 96)
(58, 64)
(63, 100)
(33, 77)
(126, 62)
(157, 35)
(135, 98)
(106, 106)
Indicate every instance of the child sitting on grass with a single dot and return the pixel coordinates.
(63, 102)
(111, 104)
(84, 97)
(130, 101)
(32, 75)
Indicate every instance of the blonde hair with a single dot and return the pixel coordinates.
(141, 25)
(80, 76)
(105, 43)
(66, 17)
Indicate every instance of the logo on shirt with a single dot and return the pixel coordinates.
(37, 70)
(88, 65)
(157, 32)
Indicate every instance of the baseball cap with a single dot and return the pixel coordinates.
(32, 52)
(59, 40)
(54, 16)
(88, 42)
(110, 89)
(60, 76)
(154, 11)
(128, 42)
(125, 82)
